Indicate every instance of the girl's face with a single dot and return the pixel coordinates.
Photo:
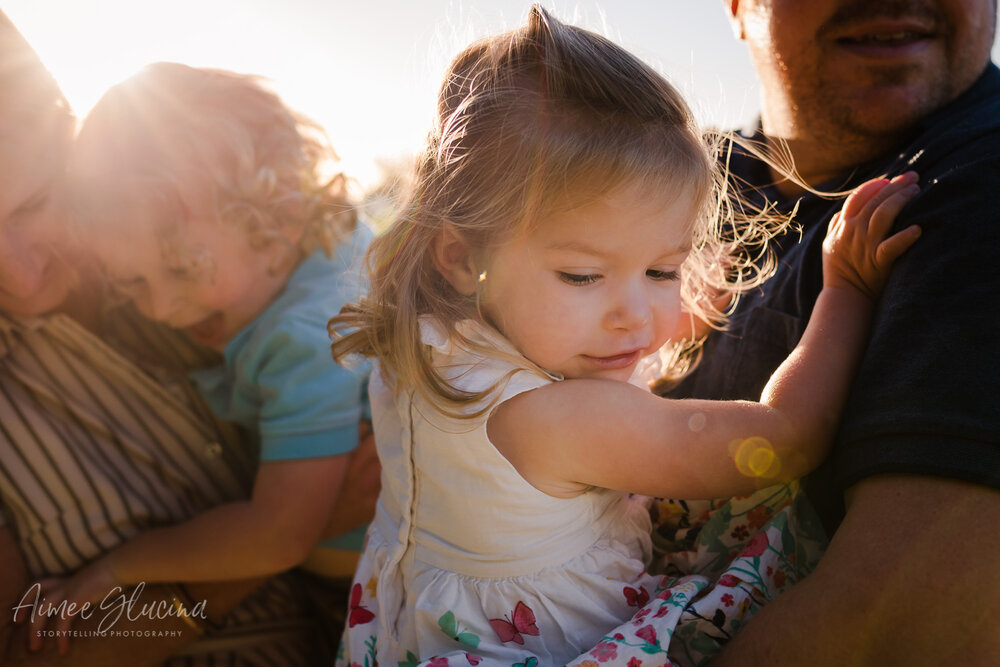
(590, 291)
(212, 300)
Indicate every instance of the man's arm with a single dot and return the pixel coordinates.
(910, 578)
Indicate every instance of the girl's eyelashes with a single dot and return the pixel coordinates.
(659, 274)
(578, 278)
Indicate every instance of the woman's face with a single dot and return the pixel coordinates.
(34, 274)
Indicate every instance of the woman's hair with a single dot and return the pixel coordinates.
(30, 101)
(172, 135)
(538, 120)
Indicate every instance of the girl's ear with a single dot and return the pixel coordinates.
(453, 260)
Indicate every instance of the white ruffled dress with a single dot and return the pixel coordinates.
(465, 556)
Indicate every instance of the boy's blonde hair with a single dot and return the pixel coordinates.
(172, 135)
(530, 122)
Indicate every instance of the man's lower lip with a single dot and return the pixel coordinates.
(885, 50)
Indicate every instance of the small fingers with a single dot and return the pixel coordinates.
(885, 214)
(38, 590)
(868, 197)
(861, 195)
(835, 228)
(63, 627)
(54, 595)
(857, 251)
(35, 627)
(889, 250)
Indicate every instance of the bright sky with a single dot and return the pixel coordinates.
(368, 70)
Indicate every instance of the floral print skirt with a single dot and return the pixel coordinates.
(722, 561)
(717, 564)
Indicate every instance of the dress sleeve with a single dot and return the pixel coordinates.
(309, 404)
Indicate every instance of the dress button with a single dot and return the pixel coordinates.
(213, 450)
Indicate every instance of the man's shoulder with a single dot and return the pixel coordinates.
(964, 132)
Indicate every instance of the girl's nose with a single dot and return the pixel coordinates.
(631, 311)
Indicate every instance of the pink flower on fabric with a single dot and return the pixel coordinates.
(728, 580)
(473, 659)
(438, 662)
(758, 516)
(635, 662)
(757, 546)
(636, 598)
(662, 611)
(647, 633)
(604, 651)
(664, 594)
(728, 600)
(619, 636)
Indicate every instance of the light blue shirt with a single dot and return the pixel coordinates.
(279, 379)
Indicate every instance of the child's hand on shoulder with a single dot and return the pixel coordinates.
(856, 253)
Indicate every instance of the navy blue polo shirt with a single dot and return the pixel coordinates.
(926, 398)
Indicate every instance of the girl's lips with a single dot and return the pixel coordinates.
(616, 361)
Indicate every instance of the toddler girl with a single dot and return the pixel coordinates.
(561, 221)
(203, 196)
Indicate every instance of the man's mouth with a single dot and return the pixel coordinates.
(876, 35)
(886, 39)
(886, 44)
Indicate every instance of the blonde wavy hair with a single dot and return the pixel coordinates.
(533, 121)
(172, 135)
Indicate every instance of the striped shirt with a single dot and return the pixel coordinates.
(103, 438)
